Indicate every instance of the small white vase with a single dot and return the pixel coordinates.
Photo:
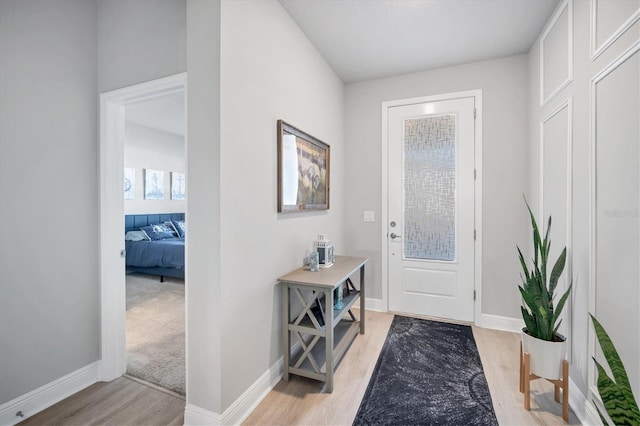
(546, 357)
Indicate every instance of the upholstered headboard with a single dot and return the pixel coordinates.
(133, 222)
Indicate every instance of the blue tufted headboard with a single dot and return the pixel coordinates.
(133, 222)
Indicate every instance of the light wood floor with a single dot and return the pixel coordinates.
(120, 402)
(302, 402)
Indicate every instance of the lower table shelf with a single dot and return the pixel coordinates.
(345, 333)
(307, 326)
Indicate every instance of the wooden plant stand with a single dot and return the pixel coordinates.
(525, 383)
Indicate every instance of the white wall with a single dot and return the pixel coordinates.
(140, 40)
(269, 71)
(615, 296)
(48, 192)
(49, 167)
(146, 148)
(203, 289)
(504, 84)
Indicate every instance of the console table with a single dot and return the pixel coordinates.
(319, 321)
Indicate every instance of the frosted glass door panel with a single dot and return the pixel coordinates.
(430, 188)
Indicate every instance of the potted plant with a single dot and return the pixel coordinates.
(615, 392)
(540, 337)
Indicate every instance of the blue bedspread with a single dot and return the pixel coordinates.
(167, 253)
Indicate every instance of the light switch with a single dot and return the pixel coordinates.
(369, 216)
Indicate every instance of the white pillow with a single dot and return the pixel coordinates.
(136, 236)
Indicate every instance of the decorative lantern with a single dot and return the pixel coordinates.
(325, 251)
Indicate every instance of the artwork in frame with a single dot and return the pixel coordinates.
(129, 183)
(153, 184)
(303, 170)
(178, 188)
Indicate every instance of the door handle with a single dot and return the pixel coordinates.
(393, 236)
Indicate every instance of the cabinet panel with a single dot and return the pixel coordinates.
(616, 120)
(556, 51)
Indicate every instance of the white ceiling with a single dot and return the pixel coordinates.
(165, 113)
(368, 39)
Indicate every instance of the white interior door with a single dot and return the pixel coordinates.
(431, 208)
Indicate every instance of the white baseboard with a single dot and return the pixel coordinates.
(497, 322)
(196, 416)
(244, 405)
(583, 408)
(373, 304)
(45, 396)
(249, 400)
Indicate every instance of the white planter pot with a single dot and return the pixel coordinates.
(546, 357)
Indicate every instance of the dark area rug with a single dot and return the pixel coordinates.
(428, 373)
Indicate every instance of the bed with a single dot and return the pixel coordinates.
(163, 257)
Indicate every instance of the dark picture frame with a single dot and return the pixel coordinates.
(303, 171)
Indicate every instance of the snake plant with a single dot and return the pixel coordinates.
(538, 293)
(616, 394)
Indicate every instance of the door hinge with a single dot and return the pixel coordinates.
(474, 235)
(474, 174)
(474, 295)
(475, 113)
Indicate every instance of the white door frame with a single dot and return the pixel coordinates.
(477, 94)
(113, 351)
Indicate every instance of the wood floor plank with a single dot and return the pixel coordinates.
(303, 402)
(119, 402)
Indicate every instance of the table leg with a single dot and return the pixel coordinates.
(286, 337)
(362, 298)
(329, 340)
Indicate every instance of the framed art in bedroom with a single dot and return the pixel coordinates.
(129, 183)
(153, 184)
(178, 191)
(303, 171)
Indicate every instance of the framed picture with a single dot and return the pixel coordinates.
(153, 184)
(178, 189)
(303, 170)
(129, 183)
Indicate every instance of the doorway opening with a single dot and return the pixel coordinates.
(155, 195)
(144, 125)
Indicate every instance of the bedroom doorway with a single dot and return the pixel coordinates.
(155, 198)
(132, 114)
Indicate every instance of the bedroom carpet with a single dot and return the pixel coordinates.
(427, 373)
(155, 331)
